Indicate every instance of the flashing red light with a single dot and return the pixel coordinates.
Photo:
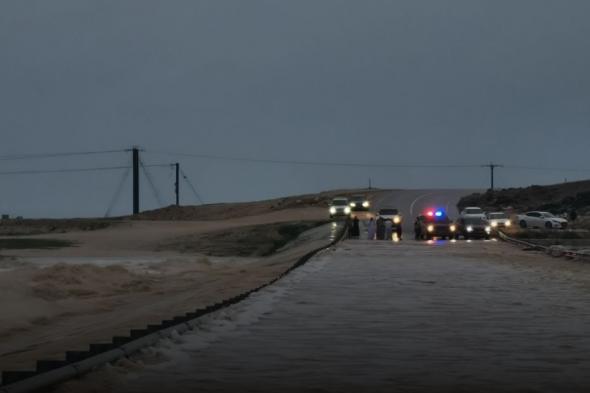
(430, 213)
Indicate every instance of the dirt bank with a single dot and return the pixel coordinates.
(57, 303)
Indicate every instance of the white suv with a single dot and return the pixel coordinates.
(473, 212)
(339, 208)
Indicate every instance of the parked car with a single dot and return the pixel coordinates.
(537, 219)
(339, 207)
(473, 212)
(395, 217)
(498, 220)
(473, 228)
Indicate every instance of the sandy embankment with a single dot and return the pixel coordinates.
(127, 276)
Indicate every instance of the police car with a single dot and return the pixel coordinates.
(434, 223)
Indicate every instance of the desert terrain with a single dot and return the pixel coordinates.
(67, 283)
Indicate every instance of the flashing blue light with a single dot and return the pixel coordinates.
(439, 213)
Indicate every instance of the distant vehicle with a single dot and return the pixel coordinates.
(339, 207)
(538, 219)
(435, 223)
(498, 220)
(395, 217)
(473, 212)
(473, 228)
(359, 203)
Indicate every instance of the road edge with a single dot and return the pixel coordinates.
(77, 363)
(556, 252)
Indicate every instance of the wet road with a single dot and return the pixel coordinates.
(382, 316)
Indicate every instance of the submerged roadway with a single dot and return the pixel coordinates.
(372, 316)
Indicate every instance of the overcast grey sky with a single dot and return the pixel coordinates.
(398, 81)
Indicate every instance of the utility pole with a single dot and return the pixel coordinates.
(135, 151)
(492, 166)
(177, 184)
(370, 184)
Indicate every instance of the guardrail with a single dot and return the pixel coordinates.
(77, 363)
(547, 249)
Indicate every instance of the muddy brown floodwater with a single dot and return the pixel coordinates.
(379, 316)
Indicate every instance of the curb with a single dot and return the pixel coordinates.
(77, 363)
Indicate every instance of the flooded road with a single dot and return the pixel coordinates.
(381, 316)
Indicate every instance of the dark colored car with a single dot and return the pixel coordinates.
(434, 224)
(473, 228)
(359, 203)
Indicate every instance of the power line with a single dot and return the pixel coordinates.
(151, 183)
(63, 170)
(535, 168)
(73, 170)
(54, 155)
(311, 163)
(118, 192)
(194, 190)
(351, 164)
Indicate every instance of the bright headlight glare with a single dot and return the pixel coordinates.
(347, 210)
(453, 228)
(366, 204)
(488, 229)
(494, 223)
(396, 220)
(430, 228)
(332, 210)
(352, 204)
(508, 223)
(469, 228)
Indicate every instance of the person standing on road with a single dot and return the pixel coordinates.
(356, 231)
(388, 230)
(371, 229)
(380, 228)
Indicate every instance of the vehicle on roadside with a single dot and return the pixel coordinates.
(339, 207)
(473, 211)
(538, 219)
(498, 220)
(359, 203)
(395, 217)
(434, 223)
(473, 228)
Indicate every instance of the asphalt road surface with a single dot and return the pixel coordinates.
(441, 316)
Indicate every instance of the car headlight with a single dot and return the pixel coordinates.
(469, 228)
(488, 229)
(430, 228)
(347, 210)
(332, 210)
(366, 204)
(494, 223)
(453, 228)
(352, 204)
(396, 220)
(508, 223)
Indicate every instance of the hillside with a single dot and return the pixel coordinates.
(557, 198)
(220, 211)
